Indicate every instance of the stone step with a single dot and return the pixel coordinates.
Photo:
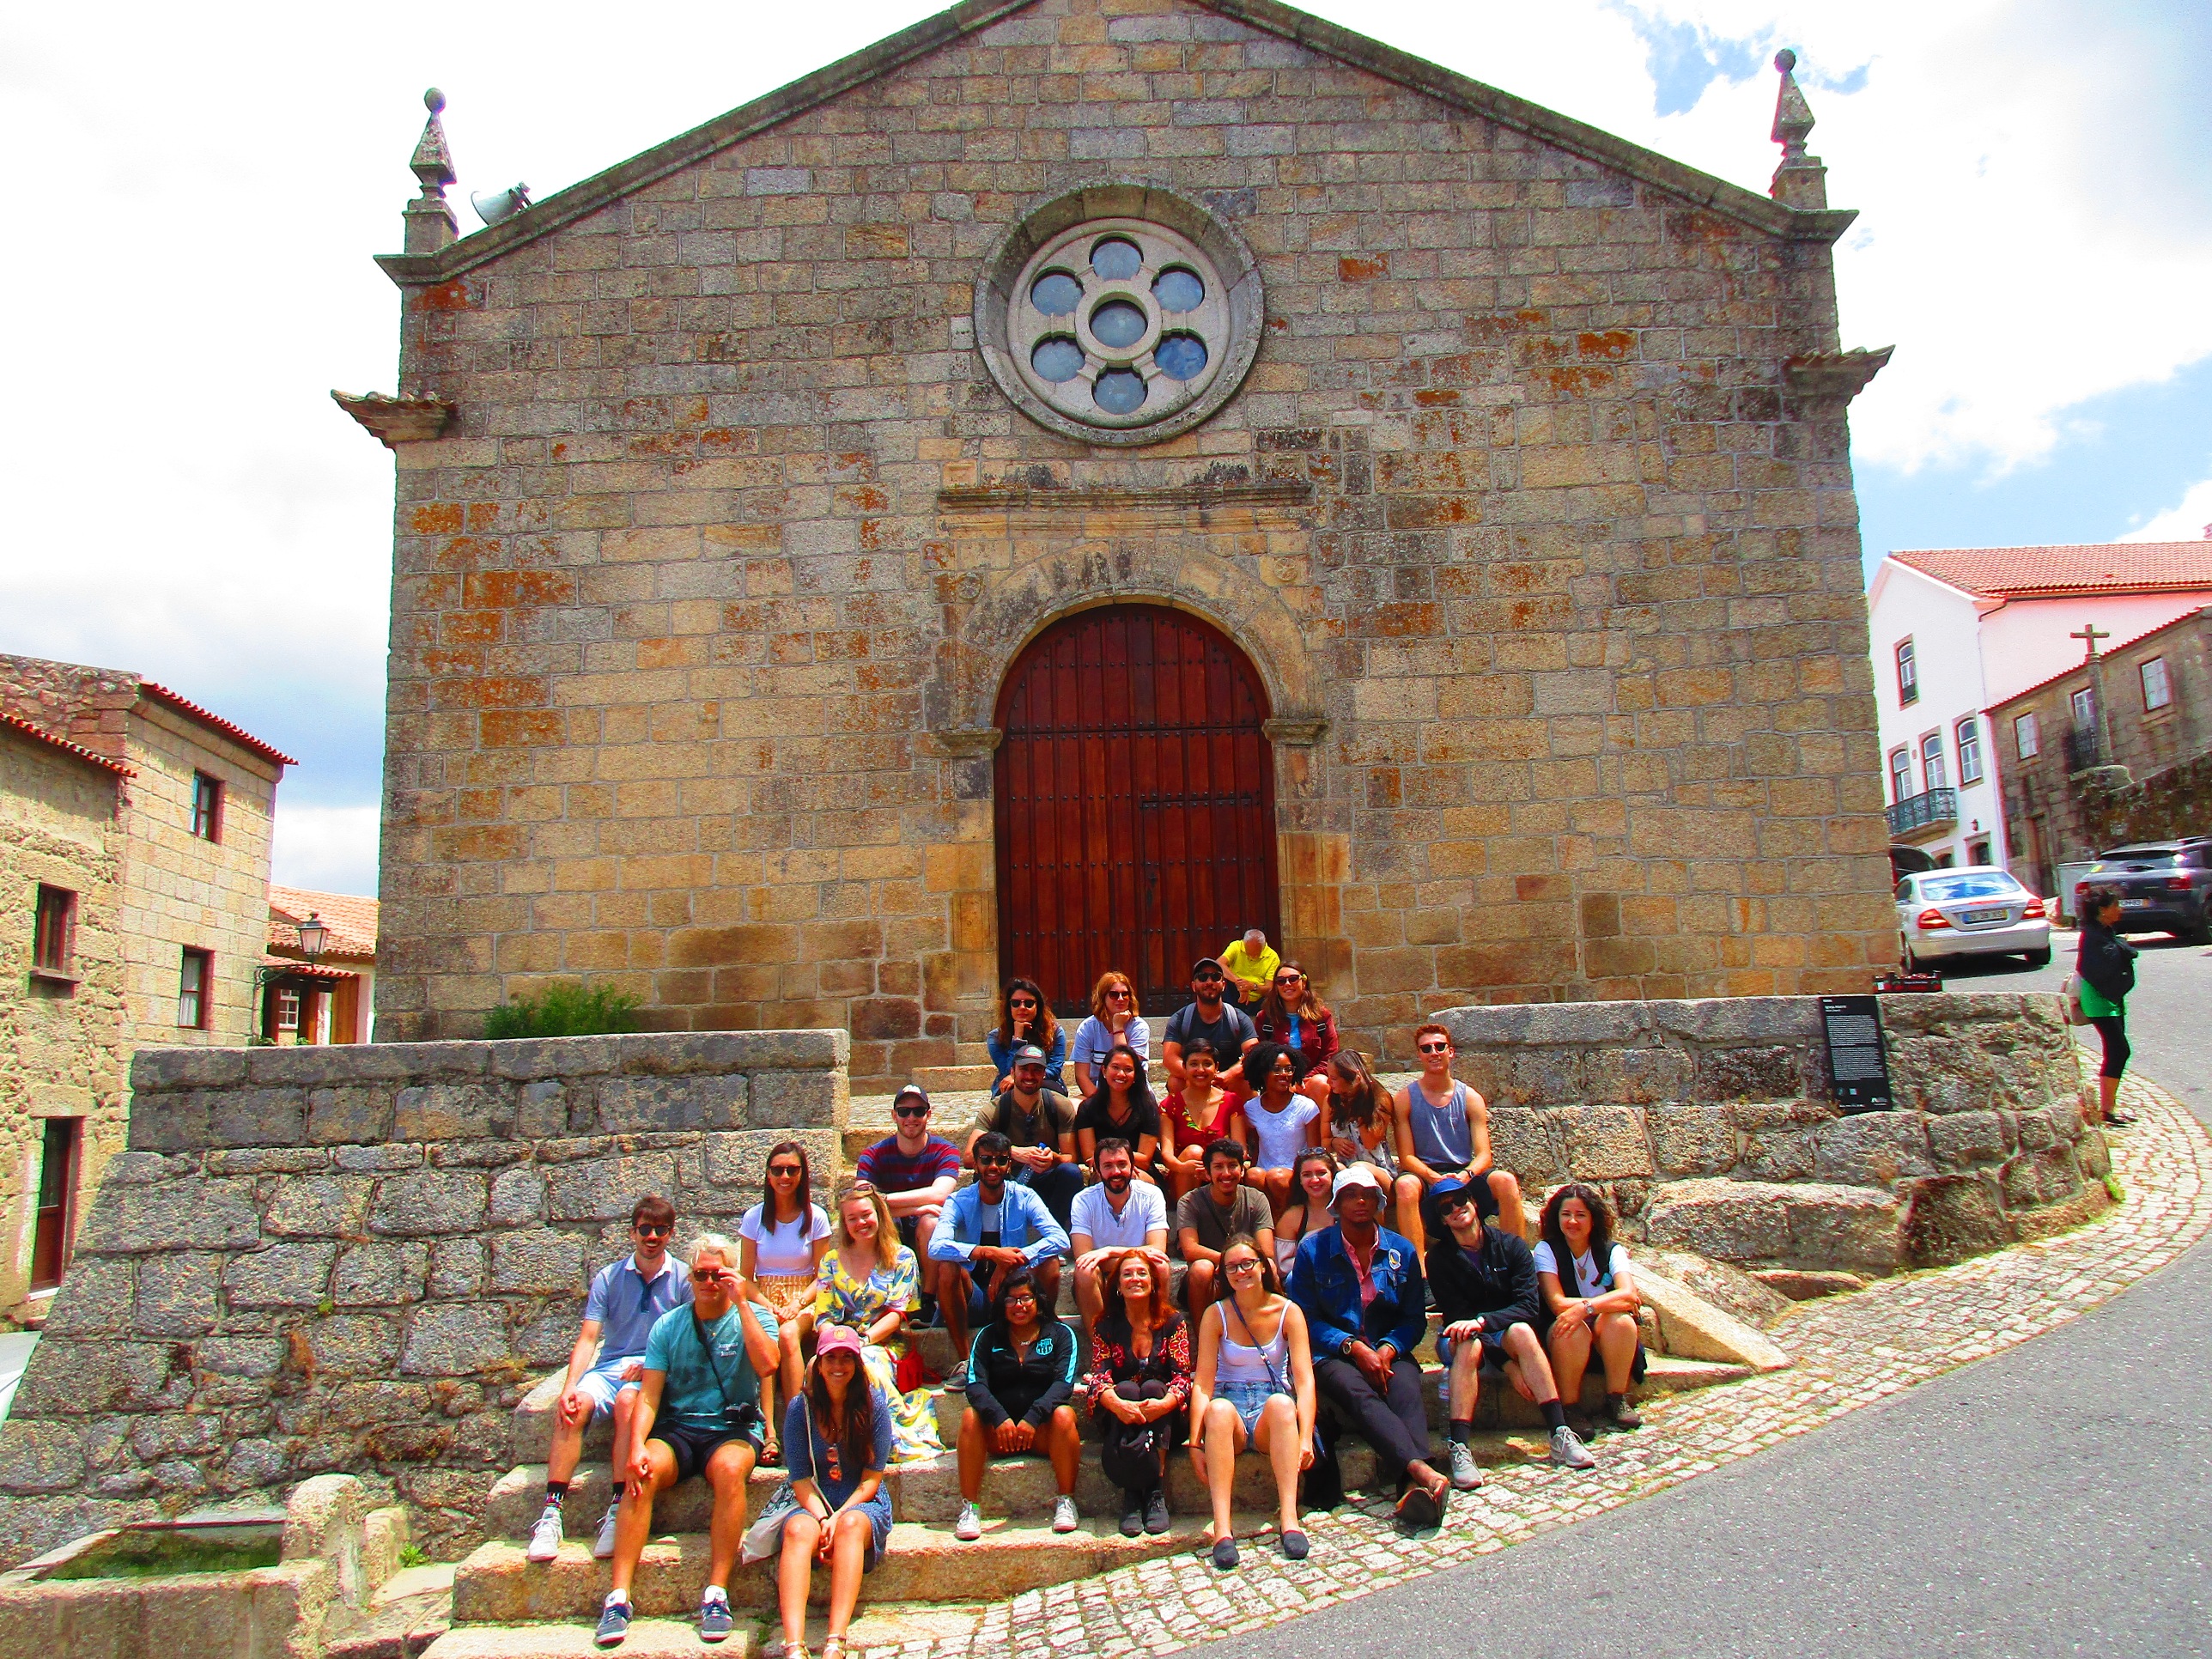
(954, 1079)
(649, 1639)
(496, 1586)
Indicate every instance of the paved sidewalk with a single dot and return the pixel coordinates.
(1850, 1352)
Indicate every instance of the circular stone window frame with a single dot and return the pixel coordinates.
(1046, 235)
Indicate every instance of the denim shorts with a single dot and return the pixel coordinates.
(1249, 1398)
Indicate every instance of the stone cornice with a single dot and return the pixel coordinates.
(395, 421)
(963, 742)
(1027, 498)
(1834, 373)
(1298, 731)
(1455, 91)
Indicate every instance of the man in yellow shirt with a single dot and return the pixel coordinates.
(1250, 964)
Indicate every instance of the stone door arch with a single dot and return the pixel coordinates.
(1133, 803)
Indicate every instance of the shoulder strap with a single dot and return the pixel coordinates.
(730, 1407)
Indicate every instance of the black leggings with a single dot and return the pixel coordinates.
(2113, 1028)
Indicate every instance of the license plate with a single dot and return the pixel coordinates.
(1971, 916)
(2135, 904)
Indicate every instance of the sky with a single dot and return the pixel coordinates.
(184, 499)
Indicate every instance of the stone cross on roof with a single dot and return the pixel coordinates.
(2090, 633)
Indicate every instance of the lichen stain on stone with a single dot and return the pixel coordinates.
(454, 296)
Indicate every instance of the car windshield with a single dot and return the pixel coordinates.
(1987, 884)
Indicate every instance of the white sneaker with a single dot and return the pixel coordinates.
(546, 1536)
(1569, 1452)
(602, 1547)
(969, 1527)
(1064, 1518)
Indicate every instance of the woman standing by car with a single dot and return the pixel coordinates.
(2104, 972)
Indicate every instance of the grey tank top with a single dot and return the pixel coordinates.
(1442, 1134)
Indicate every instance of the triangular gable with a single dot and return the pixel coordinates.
(1455, 91)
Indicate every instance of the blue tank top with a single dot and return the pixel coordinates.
(1442, 1134)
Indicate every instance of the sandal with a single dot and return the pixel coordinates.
(833, 1647)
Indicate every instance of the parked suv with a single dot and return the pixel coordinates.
(1974, 912)
(2165, 886)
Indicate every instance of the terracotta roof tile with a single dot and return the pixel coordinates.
(351, 919)
(2067, 567)
(16, 723)
(89, 706)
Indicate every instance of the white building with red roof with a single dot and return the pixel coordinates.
(330, 997)
(1954, 631)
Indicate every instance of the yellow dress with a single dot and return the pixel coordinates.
(842, 1299)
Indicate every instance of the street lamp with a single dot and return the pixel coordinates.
(314, 935)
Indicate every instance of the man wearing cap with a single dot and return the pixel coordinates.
(1040, 1122)
(1366, 1306)
(989, 1230)
(1250, 963)
(916, 1172)
(1209, 1016)
(1485, 1281)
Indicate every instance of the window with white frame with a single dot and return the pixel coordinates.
(2084, 703)
(2158, 690)
(1900, 773)
(288, 1011)
(1970, 750)
(2026, 736)
(194, 986)
(1932, 761)
(1908, 675)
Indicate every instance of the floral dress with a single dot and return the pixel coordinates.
(842, 1299)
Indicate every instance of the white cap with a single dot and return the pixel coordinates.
(1356, 1175)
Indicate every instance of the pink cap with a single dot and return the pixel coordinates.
(836, 1339)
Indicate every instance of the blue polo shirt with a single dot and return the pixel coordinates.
(627, 1304)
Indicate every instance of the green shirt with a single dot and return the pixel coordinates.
(2095, 1002)
(703, 1385)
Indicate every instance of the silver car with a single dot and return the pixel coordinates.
(1946, 913)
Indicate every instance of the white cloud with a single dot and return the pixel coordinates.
(2189, 521)
(330, 849)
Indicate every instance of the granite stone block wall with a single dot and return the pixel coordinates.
(1712, 1126)
(357, 1259)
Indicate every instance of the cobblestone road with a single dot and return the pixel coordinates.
(1850, 1352)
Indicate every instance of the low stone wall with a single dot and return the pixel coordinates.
(357, 1259)
(1713, 1127)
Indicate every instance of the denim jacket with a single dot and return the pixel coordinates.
(1325, 1284)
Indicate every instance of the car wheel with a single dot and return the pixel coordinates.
(2200, 935)
(2040, 958)
(1912, 963)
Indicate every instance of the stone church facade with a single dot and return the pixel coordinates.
(1084, 476)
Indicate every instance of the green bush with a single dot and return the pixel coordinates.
(564, 1008)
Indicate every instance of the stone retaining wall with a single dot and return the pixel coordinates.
(1713, 1126)
(358, 1259)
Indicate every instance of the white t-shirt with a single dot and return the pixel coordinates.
(1094, 1216)
(1281, 1134)
(788, 1247)
(1093, 1041)
(1585, 1269)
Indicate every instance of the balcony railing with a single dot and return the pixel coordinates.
(1923, 817)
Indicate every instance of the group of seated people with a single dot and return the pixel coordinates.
(1294, 1293)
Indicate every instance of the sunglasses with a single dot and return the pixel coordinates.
(1021, 1002)
(1288, 979)
(909, 1111)
(1119, 994)
(1436, 1048)
(650, 1230)
(779, 1170)
(995, 1163)
(1206, 979)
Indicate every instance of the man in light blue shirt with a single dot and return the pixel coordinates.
(988, 1231)
(626, 1298)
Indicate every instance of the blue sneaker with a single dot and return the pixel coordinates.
(614, 1625)
(715, 1621)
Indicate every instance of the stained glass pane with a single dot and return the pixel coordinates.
(1056, 359)
(1181, 356)
(1120, 392)
(1179, 290)
(1055, 293)
(1118, 323)
(1115, 260)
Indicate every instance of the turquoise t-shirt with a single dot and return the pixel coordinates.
(702, 1384)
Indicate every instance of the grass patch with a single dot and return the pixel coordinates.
(564, 1008)
(161, 1553)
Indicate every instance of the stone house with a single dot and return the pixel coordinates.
(331, 998)
(2112, 750)
(1081, 477)
(134, 851)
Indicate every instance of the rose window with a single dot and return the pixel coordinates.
(1121, 329)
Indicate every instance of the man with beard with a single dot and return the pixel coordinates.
(988, 1230)
(1207, 1017)
(1120, 1212)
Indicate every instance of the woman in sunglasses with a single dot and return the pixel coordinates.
(1114, 1022)
(1292, 1014)
(783, 1239)
(871, 1284)
(1024, 1018)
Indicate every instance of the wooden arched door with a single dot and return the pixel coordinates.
(1135, 803)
